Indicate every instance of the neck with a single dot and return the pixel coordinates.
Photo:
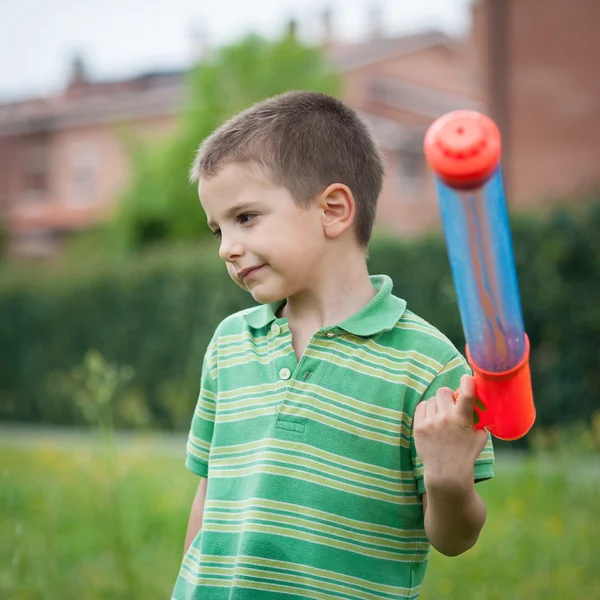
(340, 289)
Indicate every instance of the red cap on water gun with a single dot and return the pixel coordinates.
(463, 148)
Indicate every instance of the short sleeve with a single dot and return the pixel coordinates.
(203, 421)
(450, 376)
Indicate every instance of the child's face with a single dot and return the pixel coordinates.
(270, 244)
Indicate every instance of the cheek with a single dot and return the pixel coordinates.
(298, 233)
(231, 271)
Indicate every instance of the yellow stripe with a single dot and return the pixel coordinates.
(255, 585)
(207, 405)
(207, 395)
(253, 390)
(308, 570)
(393, 440)
(310, 389)
(199, 442)
(428, 329)
(252, 357)
(457, 361)
(276, 391)
(338, 413)
(317, 539)
(201, 454)
(245, 415)
(319, 467)
(277, 444)
(349, 363)
(395, 363)
(233, 572)
(253, 401)
(246, 348)
(311, 512)
(395, 354)
(319, 528)
(237, 338)
(263, 469)
(204, 415)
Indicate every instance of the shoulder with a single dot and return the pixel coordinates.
(416, 334)
(235, 323)
(248, 324)
(228, 337)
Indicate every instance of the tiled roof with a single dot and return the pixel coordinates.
(419, 99)
(147, 95)
(160, 93)
(352, 56)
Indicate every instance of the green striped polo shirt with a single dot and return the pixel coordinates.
(313, 479)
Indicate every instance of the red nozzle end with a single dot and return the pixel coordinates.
(463, 148)
(508, 398)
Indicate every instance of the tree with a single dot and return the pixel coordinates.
(159, 203)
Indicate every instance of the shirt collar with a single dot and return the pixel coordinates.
(380, 314)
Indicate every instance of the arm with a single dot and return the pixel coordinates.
(200, 440)
(453, 518)
(196, 513)
(448, 445)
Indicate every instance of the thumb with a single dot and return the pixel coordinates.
(465, 403)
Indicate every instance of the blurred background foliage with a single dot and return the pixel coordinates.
(86, 522)
(155, 311)
(112, 337)
(160, 204)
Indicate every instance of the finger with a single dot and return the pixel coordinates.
(482, 438)
(465, 403)
(444, 400)
(431, 407)
(421, 412)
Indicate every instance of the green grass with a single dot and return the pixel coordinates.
(79, 524)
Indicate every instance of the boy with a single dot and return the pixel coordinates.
(330, 451)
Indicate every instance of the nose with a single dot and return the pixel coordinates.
(230, 249)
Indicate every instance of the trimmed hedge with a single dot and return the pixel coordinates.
(156, 312)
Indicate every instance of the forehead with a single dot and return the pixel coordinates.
(237, 187)
(231, 182)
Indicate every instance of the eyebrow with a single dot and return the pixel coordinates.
(234, 209)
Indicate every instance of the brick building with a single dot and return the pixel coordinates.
(537, 61)
(530, 63)
(63, 160)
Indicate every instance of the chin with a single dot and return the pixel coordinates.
(266, 296)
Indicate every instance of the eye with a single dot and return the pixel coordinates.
(216, 234)
(245, 218)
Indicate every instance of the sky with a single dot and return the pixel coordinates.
(120, 38)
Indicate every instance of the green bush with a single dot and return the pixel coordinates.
(155, 312)
(152, 313)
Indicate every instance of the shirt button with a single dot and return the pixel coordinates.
(284, 373)
(330, 334)
(275, 330)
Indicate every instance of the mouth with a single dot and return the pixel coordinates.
(248, 273)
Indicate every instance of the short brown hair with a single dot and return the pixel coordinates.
(305, 141)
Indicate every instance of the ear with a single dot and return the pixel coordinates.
(338, 209)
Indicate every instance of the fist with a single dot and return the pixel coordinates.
(445, 439)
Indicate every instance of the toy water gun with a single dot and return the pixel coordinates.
(463, 148)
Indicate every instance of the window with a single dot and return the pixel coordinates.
(83, 174)
(410, 167)
(35, 171)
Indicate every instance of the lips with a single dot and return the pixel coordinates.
(248, 272)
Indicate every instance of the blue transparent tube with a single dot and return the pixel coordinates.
(478, 240)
